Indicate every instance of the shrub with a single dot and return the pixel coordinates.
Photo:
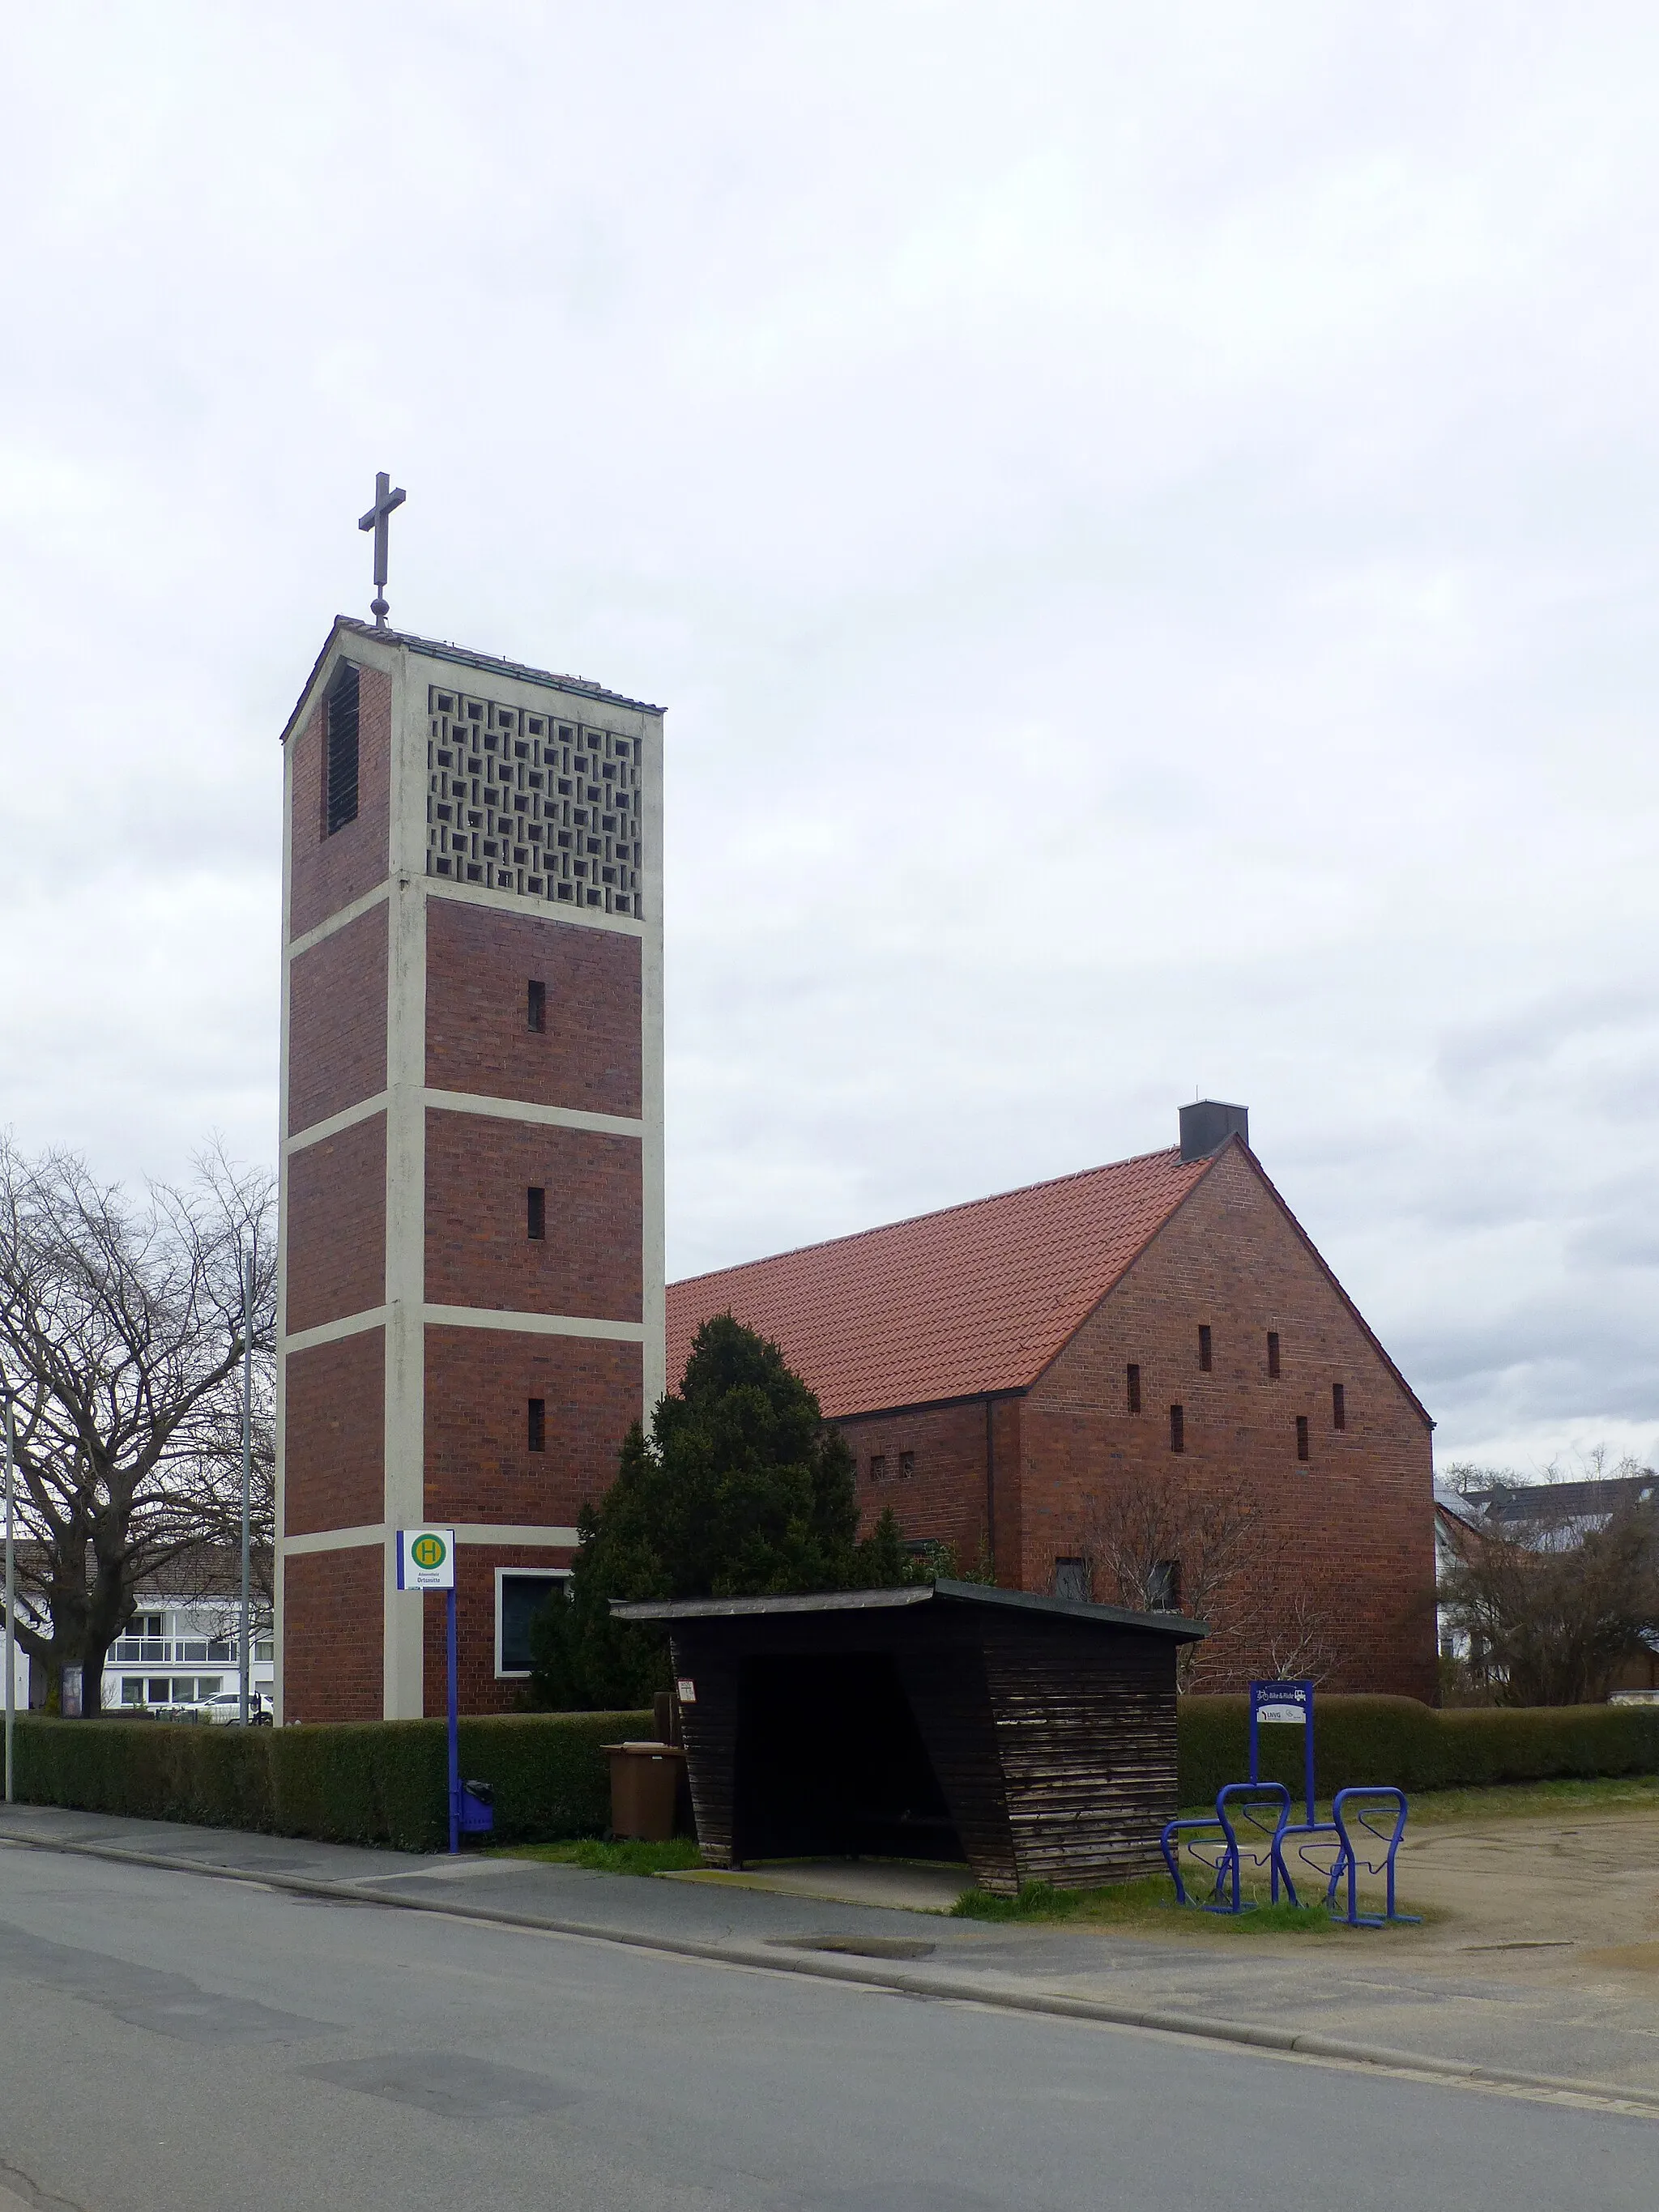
(1361, 1739)
(382, 1782)
(368, 1782)
(740, 1491)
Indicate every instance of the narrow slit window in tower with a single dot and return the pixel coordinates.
(535, 1007)
(1206, 1349)
(1273, 1354)
(536, 1211)
(1132, 1375)
(1177, 1429)
(1301, 1436)
(538, 1425)
(1338, 1406)
(340, 759)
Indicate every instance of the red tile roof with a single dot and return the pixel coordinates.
(978, 1297)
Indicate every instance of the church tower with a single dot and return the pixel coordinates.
(471, 1302)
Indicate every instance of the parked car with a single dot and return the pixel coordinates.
(228, 1707)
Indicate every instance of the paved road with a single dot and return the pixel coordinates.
(1557, 2012)
(173, 2043)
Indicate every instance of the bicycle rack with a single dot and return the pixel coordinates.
(1357, 1816)
(1303, 1833)
(1348, 1860)
(1233, 1810)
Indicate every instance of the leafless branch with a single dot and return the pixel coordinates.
(121, 1343)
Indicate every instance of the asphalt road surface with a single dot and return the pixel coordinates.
(173, 2043)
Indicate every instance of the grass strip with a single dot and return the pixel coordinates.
(1503, 1801)
(1129, 1903)
(678, 1855)
(1147, 1903)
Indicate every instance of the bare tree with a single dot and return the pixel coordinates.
(1298, 1617)
(121, 1343)
(1554, 1599)
(1176, 1541)
(1205, 1544)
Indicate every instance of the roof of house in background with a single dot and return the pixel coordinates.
(976, 1298)
(1524, 1502)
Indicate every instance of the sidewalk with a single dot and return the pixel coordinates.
(1565, 2014)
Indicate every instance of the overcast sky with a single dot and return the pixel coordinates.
(1143, 519)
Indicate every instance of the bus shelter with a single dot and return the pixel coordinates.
(1032, 1737)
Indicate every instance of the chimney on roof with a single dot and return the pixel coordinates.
(1205, 1127)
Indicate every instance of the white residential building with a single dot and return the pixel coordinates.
(180, 1654)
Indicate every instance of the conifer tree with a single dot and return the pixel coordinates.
(741, 1490)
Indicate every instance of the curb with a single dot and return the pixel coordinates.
(1286, 2041)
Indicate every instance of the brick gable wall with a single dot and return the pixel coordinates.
(1362, 1501)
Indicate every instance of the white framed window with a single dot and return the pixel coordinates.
(521, 1594)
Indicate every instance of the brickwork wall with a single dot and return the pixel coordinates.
(478, 1252)
(334, 1435)
(478, 1690)
(327, 873)
(337, 1021)
(336, 1226)
(1359, 1512)
(478, 1385)
(944, 1497)
(333, 1615)
(479, 964)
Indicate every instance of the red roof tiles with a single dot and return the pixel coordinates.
(978, 1297)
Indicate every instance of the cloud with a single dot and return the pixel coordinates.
(1140, 521)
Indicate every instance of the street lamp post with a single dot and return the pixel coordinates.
(247, 1472)
(11, 1608)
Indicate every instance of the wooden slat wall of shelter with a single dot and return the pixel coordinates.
(709, 1727)
(946, 1684)
(1085, 1736)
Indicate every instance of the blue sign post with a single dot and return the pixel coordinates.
(1284, 1705)
(426, 1560)
(454, 1724)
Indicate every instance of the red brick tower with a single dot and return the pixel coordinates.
(471, 1305)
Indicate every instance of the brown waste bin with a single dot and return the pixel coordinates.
(644, 1781)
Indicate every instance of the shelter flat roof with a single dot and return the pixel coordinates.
(874, 1601)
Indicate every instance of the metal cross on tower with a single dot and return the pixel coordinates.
(385, 501)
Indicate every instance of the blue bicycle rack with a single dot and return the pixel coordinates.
(1371, 1814)
(1350, 1806)
(1233, 1809)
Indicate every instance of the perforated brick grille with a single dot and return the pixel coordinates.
(527, 803)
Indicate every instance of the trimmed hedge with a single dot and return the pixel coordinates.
(368, 1782)
(1359, 1739)
(382, 1782)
